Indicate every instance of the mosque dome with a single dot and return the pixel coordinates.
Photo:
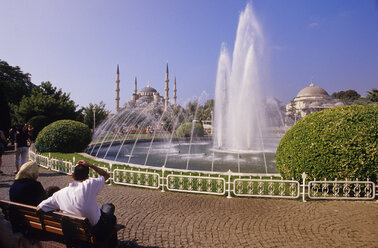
(312, 90)
(148, 89)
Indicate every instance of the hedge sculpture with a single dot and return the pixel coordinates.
(63, 136)
(185, 130)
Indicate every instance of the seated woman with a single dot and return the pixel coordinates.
(26, 189)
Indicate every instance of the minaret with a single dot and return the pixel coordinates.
(134, 96)
(135, 86)
(166, 89)
(117, 90)
(174, 93)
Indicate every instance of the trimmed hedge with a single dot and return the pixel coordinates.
(63, 136)
(185, 130)
(334, 143)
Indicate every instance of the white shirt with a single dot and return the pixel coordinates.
(79, 198)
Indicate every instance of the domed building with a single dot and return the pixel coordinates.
(309, 100)
(148, 94)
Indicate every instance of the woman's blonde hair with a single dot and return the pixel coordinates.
(28, 170)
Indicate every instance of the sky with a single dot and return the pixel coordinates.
(77, 44)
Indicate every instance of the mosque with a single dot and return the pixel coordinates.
(148, 94)
(309, 100)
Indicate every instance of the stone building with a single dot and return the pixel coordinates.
(309, 100)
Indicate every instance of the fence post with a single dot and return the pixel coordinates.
(304, 187)
(229, 172)
(162, 178)
(49, 161)
(111, 172)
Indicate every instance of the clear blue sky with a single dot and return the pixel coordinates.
(76, 45)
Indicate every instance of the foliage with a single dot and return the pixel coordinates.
(334, 143)
(373, 95)
(100, 114)
(362, 101)
(185, 130)
(196, 111)
(63, 136)
(5, 122)
(14, 84)
(46, 100)
(38, 123)
(347, 96)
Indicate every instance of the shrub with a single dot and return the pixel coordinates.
(63, 136)
(334, 143)
(185, 130)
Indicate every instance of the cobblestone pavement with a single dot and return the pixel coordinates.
(157, 219)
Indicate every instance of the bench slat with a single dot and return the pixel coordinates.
(35, 225)
(50, 222)
(54, 230)
(57, 226)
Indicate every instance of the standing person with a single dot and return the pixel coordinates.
(26, 189)
(12, 133)
(79, 198)
(20, 148)
(3, 141)
(31, 133)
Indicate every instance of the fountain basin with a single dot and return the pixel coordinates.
(203, 156)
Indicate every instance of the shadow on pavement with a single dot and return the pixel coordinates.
(4, 185)
(133, 244)
(47, 174)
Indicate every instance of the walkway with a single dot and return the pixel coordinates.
(156, 219)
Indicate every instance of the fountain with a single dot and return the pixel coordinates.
(246, 124)
(240, 116)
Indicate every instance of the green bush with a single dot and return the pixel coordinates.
(63, 136)
(185, 130)
(334, 143)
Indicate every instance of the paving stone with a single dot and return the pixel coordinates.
(157, 219)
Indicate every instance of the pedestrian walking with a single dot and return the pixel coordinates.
(3, 142)
(20, 148)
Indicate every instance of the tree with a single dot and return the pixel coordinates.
(190, 110)
(47, 101)
(14, 84)
(373, 95)
(100, 114)
(5, 122)
(362, 101)
(200, 112)
(348, 96)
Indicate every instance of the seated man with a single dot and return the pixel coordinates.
(79, 198)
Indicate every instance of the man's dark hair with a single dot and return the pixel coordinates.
(51, 190)
(81, 172)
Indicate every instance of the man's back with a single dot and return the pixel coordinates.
(78, 198)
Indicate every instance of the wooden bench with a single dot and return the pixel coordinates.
(72, 230)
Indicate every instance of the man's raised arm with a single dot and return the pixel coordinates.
(100, 171)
